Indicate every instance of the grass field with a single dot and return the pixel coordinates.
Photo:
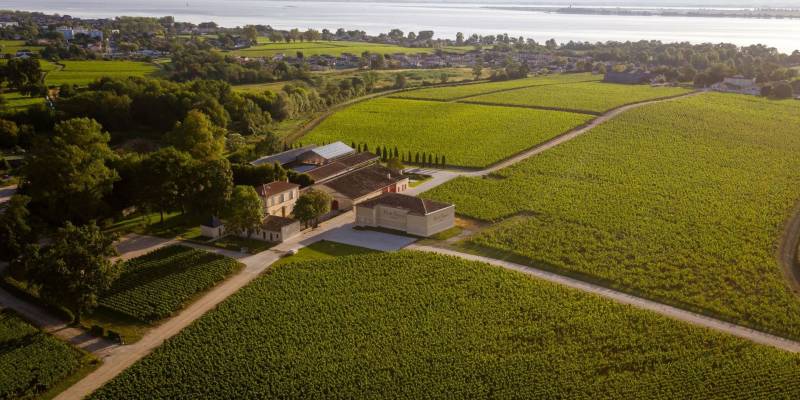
(31, 361)
(334, 48)
(12, 46)
(158, 284)
(593, 97)
(467, 135)
(411, 325)
(15, 100)
(683, 201)
(82, 73)
(463, 91)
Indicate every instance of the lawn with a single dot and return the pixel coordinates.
(12, 46)
(158, 284)
(467, 135)
(175, 225)
(591, 97)
(463, 91)
(33, 362)
(412, 325)
(682, 201)
(323, 250)
(82, 73)
(333, 48)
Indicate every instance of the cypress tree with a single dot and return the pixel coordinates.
(437, 160)
(416, 158)
(443, 162)
(430, 159)
(396, 154)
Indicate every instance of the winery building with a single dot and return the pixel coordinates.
(407, 214)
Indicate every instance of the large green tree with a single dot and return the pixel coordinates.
(164, 180)
(245, 211)
(75, 269)
(15, 229)
(67, 173)
(311, 206)
(211, 184)
(198, 136)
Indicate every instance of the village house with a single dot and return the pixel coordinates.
(738, 84)
(279, 198)
(404, 213)
(274, 229)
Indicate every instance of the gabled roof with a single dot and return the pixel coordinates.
(414, 205)
(326, 171)
(273, 188)
(283, 158)
(333, 150)
(364, 181)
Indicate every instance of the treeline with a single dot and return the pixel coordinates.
(704, 64)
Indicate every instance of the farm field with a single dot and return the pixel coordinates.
(158, 284)
(332, 48)
(463, 91)
(593, 97)
(449, 129)
(681, 201)
(414, 325)
(82, 73)
(31, 361)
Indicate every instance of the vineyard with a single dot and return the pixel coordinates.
(682, 201)
(465, 134)
(592, 97)
(463, 91)
(412, 325)
(31, 361)
(82, 73)
(158, 284)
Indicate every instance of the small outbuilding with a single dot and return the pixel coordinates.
(405, 213)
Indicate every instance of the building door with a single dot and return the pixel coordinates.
(335, 205)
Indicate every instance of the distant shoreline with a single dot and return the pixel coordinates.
(759, 13)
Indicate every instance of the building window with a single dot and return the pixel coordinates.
(291, 195)
(282, 198)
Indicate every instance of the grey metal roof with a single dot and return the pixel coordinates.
(284, 157)
(333, 150)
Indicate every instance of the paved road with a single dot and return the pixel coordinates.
(6, 193)
(119, 358)
(624, 298)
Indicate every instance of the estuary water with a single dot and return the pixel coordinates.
(448, 17)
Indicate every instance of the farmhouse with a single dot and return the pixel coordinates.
(405, 213)
(279, 197)
(361, 185)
